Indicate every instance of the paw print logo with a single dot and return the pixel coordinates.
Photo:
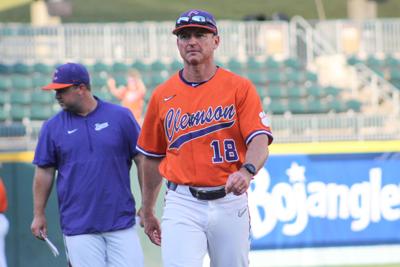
(264, 119)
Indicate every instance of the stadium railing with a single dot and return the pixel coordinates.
(286, 129)
(153, 40)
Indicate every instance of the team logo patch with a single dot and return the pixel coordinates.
(100, 126)
(264, 119)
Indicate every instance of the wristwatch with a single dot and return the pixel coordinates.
(250, 168)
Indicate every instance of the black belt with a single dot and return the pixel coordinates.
(201, 194)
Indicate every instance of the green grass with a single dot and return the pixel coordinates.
(7, 4)
(160, 10)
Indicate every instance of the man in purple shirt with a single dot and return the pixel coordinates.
(91, 144)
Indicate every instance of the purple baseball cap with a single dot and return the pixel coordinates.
(67, 75)
(196, 19)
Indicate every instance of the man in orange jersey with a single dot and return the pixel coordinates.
(4, 225)
(206, 133)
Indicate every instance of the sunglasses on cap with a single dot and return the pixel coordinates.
(198, 19)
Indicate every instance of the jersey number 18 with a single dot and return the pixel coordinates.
(230, 152)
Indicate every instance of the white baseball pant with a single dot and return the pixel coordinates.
(110, 249)
(192, 227)
(4, 226)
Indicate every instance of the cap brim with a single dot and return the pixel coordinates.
(55, 86)
(211, 29)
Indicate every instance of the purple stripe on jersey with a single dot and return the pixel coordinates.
(254, 134)
(196, 134)
(149, 154)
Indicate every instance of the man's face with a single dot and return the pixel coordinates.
(69, 98)
(196, 45)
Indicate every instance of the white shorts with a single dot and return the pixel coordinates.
(110, 249)
(192, 227)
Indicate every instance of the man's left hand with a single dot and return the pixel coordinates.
(238, 182)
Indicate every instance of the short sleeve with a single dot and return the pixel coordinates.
(45, 152)
(252, 119)
(131, 131)
(152, 137)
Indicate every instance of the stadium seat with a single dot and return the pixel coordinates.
(353, 104)
(5, 69)
(353, 60)
(17, 97)
(274, 77)
(3, 114)
(157, 78)
(311, 76)
(395, 74)
(295, 76)
(101, 67)
(103, 95)
(262, 91)
(141, 66)
(146, 77)
(41, 112)
(276, 92)
(22, 68)
(271, 63)
(296, 92)
(148, 94)
(277, 107)
(5, 83)
(375, 63)
(391, 61)
(12, 130)
(19, 112)
(119, 67)
(4, 98)
(176, 65)
(333, 91)
(315, 106)
(38, 81)
(253, 64)
(120, 79)
(158, 66)
(42, 97)
(396, 83)
(296, 106)
(235, 65)
(336, 105)
(292, 63)
(21, 82)
(43, 68)
(258, 78)
(316, 91)
(98, 81)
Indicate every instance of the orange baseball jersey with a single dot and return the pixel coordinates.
(202, 132)
(3, 197)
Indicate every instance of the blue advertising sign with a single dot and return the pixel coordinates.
(326, 200)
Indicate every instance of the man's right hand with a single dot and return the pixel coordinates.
(39, 227)
(152, 228)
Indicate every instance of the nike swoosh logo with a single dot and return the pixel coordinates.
(168, 98)
(72, 131)
(241, 212)
(100, 126)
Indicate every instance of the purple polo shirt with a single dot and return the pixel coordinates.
(92, 156)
